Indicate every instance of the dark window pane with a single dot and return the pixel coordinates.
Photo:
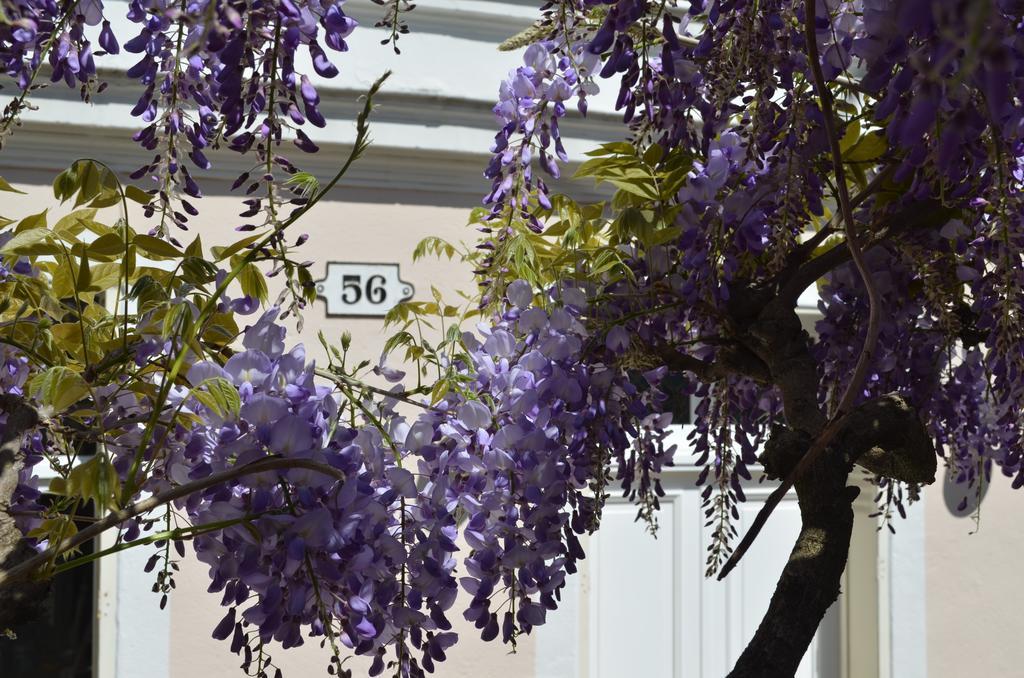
(675, 386)
(59, 642)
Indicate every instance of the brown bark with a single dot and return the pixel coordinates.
(809, 583)
(884, 435)
(18, 604)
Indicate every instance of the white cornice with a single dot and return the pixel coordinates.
(483, 20)
(386, 173)
(432, 127)
(451, 51)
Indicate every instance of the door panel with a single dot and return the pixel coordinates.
(652, 614)
(634, 610)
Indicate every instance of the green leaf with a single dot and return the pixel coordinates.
(177, 321)
(871, 147)
(589, 168)
(4, 186)
(61, 526)
(84, 275)
(104, 276)
(68, 337)
(643, 188)
(65, 185)
(106, 198)
(197, 271)
(221, 329)
(653, 155)
(396, 340)
(219, 396)
(850, 137)
(253, 283)
(33, 221)
(137, 194)
(613, 148)
(222, 253)
(435, 246)
(155, 247)
(88, 180)
(59, 387)
(74, 223)
(195, 248)
(31, 242)
(306, 183)
(108, 245)
(94, 479)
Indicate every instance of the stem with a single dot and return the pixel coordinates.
(849, 397)
(853, 239)
(178, 533)
(115, 518)
(343, 380)
(171, 148)
(208, 309)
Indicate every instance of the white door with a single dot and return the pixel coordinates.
(650, 613)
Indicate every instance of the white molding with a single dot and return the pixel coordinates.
(559, 643)
(38, 152)
(432, 127)
(904, 627)
(142, 645)
(105, 627)
(452, 48)
(483, 20)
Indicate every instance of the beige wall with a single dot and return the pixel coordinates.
(340, 231)
(360, 232)
(975, 598)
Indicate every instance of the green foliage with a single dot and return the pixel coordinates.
(585, 242)
(219, 395)
(82, 295)
(58, 387)
(97, 288)
(93, 480)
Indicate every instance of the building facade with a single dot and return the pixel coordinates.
(928, 601)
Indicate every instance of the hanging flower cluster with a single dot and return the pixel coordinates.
(931, 131)
(359, 542)
(210, 73)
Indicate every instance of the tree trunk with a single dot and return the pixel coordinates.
(19, 602)
(885, 434)
(810, 580)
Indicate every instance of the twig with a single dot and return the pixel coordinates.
(343, 380)
(167, 496)
(874, 312)
(361, 143)
(849, 83)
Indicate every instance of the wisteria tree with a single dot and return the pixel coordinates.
(869, 150)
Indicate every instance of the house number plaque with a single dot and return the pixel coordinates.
(367, 290)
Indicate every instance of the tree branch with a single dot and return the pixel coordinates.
(28, 567)
(860, 371)
(731, 360)
(886, 436)
(921, 214)
(16, 605)
(867, 353)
